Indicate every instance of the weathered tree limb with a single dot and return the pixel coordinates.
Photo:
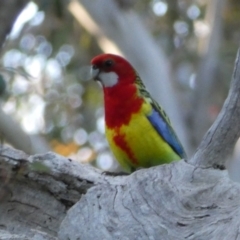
(174, 201)
(35, 234)
(221, 138)
(36, 191)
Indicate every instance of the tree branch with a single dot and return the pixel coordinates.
(174, 201)
(36, 191)
(219, 141)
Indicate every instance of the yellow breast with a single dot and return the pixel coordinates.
(138, 144)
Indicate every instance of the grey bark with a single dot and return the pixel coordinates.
(183, 200)
(219, 141)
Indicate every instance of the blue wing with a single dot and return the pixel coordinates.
(160, 120)
(162, 125)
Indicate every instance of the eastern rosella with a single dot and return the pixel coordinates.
(138, 130)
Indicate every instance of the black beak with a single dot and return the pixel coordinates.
(94, 72)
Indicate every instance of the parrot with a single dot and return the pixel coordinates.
(137, 128)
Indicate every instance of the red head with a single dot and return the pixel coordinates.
(120, 91)
(112, 70)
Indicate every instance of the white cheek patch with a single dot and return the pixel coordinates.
(108, 79)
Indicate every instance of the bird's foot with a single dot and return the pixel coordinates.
(220, 167)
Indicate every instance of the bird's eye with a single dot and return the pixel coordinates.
(108, 63)
(94, 67)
